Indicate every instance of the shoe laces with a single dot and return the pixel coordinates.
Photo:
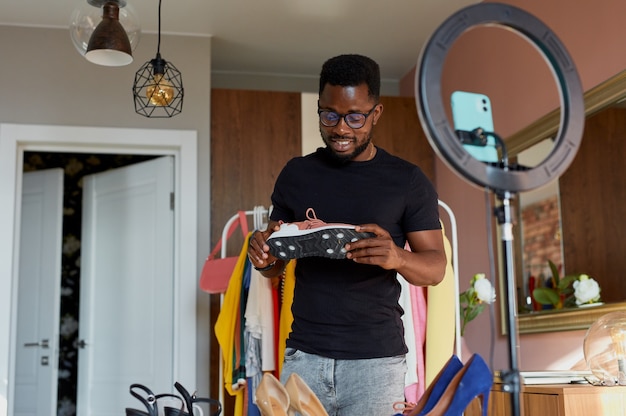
(311, 220)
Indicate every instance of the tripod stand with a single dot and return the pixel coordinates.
(511, 377)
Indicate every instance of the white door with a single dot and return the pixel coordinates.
(127, 280)
(36, 362)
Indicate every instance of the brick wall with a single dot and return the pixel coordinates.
(542, 236)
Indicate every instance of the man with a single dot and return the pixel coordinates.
(347, 339)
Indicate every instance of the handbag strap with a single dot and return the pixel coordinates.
(243, 222)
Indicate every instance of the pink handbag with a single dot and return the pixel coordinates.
(216, 272)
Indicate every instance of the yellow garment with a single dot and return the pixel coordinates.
(440, 319)
(229, 313)
(286, 317)
(225, 325)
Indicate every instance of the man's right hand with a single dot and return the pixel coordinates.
(258, 250)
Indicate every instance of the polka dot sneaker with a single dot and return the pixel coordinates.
(313, 238)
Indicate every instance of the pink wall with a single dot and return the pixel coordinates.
(500, 64)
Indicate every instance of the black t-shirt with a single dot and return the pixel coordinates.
(342, 309)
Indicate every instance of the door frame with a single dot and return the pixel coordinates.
(15, 139)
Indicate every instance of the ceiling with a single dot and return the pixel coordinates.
(291, 37)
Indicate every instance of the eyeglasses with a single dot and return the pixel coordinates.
(353, 120)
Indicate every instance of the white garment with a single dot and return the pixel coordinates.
(409, 332)
(260, 317)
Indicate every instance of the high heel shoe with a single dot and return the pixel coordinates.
(302, 398)
(473, 380)
(149, 401)
(437, 386)
(271, 397)
(215, 407)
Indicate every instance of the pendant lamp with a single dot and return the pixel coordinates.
(105, 31)
(158, 88)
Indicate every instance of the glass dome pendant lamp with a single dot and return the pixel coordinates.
(604, 346)
(158, 88)
(105, 31)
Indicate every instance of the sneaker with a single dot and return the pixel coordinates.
(313, 238)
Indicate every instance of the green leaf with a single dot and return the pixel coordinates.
(555, 273)
(546, 296)
(566, 281)
(474, 312)
(570, 302)
(463, 297)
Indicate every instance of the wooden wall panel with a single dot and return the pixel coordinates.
(253, 135)
(593, 201)
(400, 133)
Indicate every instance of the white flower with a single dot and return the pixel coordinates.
(473, 300)
(586, 290)
(484, 291)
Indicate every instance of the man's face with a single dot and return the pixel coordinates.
(345, 142)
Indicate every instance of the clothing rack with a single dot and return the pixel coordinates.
(259, 213)
(455, 269)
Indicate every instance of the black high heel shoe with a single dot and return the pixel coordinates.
(190, 400)
(149, 402)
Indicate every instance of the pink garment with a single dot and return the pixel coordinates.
(413, 392)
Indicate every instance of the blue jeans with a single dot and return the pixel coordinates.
(367, 387)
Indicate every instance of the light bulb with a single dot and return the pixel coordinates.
(160, 92)
(605, 348)
(618, 336)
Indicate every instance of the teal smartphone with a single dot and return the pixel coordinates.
(470, 111)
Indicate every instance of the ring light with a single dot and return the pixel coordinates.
(435, 121)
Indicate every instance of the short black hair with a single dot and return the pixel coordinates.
(352, 70)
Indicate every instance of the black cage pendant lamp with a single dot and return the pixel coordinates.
(158, 88)
(102, 38)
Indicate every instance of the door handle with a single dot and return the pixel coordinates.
(81, 343)
(43, 344)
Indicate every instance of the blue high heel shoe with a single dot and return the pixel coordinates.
(438, 385)
(473, 380)
(435, 389)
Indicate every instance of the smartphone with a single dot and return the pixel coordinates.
(472, 110)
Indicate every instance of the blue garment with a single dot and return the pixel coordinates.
(253, 410)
